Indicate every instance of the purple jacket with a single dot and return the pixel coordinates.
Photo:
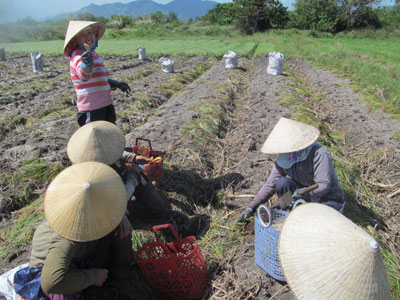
(316, 168)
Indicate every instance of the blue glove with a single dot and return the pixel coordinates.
(123, 86)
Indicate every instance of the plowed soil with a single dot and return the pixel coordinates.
(211, 122)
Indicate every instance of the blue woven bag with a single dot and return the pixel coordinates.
(266, 241)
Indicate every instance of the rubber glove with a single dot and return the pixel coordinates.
(244, 215)
(87, 62)
(123, 86)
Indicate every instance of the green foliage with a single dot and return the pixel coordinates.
(359, 14)
(259, 15)
(321, 15)
(389, 16)
(334, 16)
(221, 14)
(119, 21)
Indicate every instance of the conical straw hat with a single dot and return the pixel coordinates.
(74, 27)
(289, 136)
(325, 256)
(85, 202)
(96, 141)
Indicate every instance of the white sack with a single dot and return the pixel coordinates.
(231, 60)
(275, 63)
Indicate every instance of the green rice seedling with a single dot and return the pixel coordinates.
(138, 239)
(20, 234)
(393, 270)
(35, 170)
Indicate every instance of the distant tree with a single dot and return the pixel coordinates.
(359, 13)
(321, 15)
(190, 21)
(222, 14)
(389, 15)
(120, 21)
(85, 17)
(334, 15)
(158, 17)
(259, 15)
(171, 17)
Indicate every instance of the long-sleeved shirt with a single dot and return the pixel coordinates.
(55, 255)
(92, 89)
(317, 168)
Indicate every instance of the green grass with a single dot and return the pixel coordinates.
(21, 233)
(373, 64)
(35, 170)
(153, 47)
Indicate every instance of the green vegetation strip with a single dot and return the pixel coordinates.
(153, 47)
(373, 64)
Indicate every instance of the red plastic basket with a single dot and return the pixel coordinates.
(173, 270)
(154, 169)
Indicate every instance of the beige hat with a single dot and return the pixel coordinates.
(85, 202)
(100, 141)
(325, 256)
(75, 27)
(289, 136)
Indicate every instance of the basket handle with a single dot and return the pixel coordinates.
(263, 206)
(146, 140)
(155, 228)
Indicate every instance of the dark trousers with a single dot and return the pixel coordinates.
(106, 113)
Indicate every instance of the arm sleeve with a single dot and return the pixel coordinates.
(84, 73)
(323, 168)
(268, 188)
(58, 277)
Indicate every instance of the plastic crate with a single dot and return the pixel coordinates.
(173, 270)
(266, 241)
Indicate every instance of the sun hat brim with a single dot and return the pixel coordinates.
(289, 136)
(325, 256)
(85, 202)
(99, 141)
(75, 27)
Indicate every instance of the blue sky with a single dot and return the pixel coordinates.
(13, 10)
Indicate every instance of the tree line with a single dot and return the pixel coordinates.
(333, 16)
(247, 16)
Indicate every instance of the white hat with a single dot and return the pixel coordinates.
(325, 256)
(75, 27)
(85, 202)
(289, 136)
(99, 141)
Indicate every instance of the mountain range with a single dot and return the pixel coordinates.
(184, 8)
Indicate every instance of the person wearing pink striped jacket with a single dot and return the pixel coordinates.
(88, 73)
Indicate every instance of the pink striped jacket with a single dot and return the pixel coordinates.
(93, 90)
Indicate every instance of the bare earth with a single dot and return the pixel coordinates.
(248, 106)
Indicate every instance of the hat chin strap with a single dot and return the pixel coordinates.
(96, 43)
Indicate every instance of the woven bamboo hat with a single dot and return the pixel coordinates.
(85, 202)
(96, 141)
(75, 27)
(289, 136)
(325, 256)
